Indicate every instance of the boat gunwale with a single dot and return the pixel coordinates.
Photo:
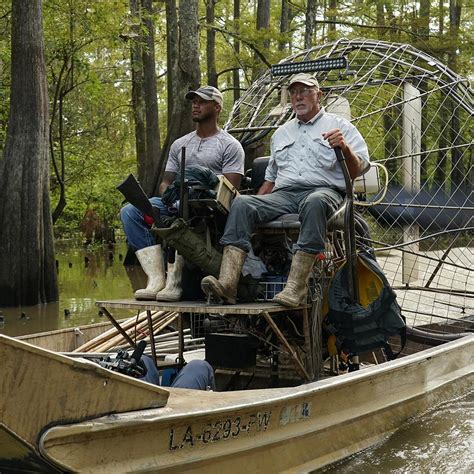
(287, 394)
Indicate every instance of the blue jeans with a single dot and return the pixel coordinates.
(136, 230)
(314, 206)
(196, 374)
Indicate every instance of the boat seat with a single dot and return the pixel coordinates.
(290, 222)
(285, 222)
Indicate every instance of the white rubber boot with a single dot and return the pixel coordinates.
(151, 261)
(173, 289)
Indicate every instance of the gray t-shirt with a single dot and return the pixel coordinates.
(221, 153)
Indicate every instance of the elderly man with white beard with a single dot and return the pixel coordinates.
(302, 177)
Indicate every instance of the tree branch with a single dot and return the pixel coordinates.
(243, 40)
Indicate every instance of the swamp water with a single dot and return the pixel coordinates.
(84, 277)
(438, 441)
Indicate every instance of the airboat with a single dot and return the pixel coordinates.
(290, 402)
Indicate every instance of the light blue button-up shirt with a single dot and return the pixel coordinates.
(300, 157)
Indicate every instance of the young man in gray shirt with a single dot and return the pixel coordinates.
(207, 146)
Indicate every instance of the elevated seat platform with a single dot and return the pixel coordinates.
(267, 310)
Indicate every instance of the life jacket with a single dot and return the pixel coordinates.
(365, 325)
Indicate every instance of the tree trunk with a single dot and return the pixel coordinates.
(183, 72)
(332, 35)
(263, 23)
(211, 44)
(27, 266)
(284, 23)
(310, 28)
(457, 171)
(423, 32)
(138, 99)
(440, 175)
(151, 100)
(235, 72)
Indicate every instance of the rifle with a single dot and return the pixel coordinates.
(126, 364)
(136, 196)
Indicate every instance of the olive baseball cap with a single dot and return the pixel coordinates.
(206, 93)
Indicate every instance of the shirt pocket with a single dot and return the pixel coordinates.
(282, 153)
(323, 155)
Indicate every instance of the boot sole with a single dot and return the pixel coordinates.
(145, 298)
(286, 303)
(168, 298)
(212, 290)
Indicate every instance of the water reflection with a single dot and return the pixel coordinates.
(84, 277)
(438, 441)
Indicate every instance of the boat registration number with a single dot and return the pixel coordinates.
(220, 430)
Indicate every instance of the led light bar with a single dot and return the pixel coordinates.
(285, 69)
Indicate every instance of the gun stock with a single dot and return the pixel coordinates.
(136, 196)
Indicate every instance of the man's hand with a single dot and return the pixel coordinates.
(266, 188)
(335, 139)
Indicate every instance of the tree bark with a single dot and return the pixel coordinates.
(332, 18)
(211, 44)
(284, 23)
(153, 151)
(263, 23)
(457, 169)
(310, 28)
(236, 72)
(183, 72)
(27, 265)
(423, 32)
(138, 99)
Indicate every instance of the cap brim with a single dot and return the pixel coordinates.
(192, 94)
(306, 83)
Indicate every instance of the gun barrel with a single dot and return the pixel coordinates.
(135, 194)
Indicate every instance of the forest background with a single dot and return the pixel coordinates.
(116, 73)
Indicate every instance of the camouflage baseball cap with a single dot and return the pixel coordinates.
(206, 93)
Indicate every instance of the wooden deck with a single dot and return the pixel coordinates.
(199, 307)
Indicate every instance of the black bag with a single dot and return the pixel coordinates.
(201, 181)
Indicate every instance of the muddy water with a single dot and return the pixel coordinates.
(439, 441)
(84, 277)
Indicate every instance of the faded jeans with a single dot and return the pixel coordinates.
(314, 206)
(137, 231)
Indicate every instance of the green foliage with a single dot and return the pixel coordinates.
(89, 69)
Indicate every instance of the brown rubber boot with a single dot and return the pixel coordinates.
(151, 261)
(226, 286)
(173, 289)
(295, 289)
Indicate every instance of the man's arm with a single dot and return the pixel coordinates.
(168, 178)
(266, 187)
(234, 179)
(336, 138)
